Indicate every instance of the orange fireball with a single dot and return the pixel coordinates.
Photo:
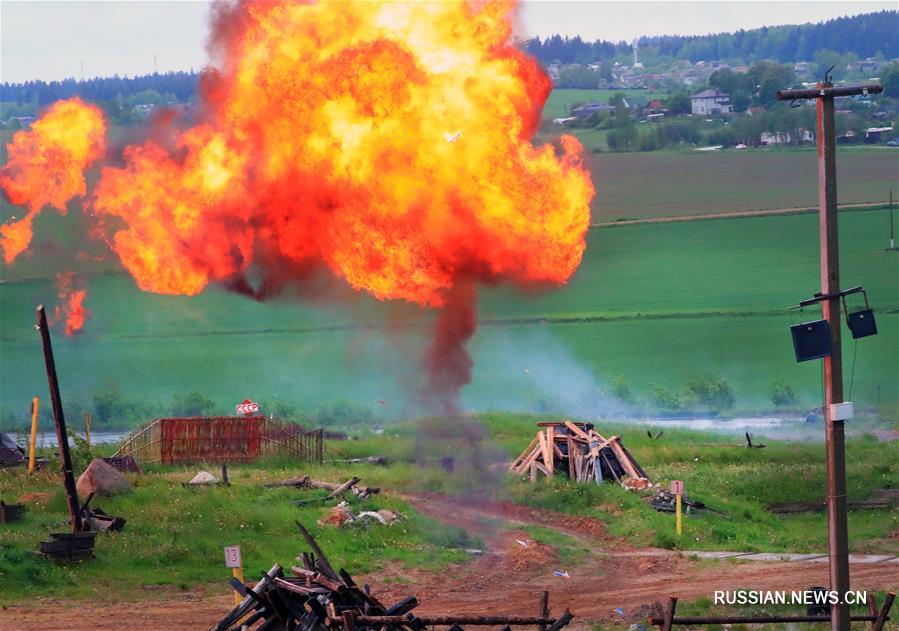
(388, 141)
(46, 165)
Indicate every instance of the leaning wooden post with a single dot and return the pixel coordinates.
(884, 612)
(872, 608)
(87, 428)
(668, 622)
(32, 443)
(62, 437)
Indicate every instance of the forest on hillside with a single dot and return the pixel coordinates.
(862, 36)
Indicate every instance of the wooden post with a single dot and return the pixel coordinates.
(668, 622)
(835, 444)
(838, 540)
(237, 572)
(32, 443)
(87, 428)
(62, 437)
(872, 606)
(543, 611)
(677, 505)
(884, 612)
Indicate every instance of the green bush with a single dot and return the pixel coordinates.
(343, 414)
(665, 400)
(621, 388)
(711, 393)
(782, 393)
(193, 403)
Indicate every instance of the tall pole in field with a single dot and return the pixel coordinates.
(835, 445)
(32, 443)
(62, 438)
(892, 239)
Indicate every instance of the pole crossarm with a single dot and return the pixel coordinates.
(828, 91)
(819, 297)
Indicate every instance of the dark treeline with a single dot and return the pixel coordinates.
(862, 35)
(181, 85)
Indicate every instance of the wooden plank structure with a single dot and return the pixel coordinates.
(220, 439)
(316, 597)
(581, 453)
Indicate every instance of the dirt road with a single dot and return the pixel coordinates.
(507, 579)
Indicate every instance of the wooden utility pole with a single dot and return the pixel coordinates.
(835, 444)
(62, 437)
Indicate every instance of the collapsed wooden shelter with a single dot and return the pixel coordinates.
(315, 597)
(580, 452)
(220, 439)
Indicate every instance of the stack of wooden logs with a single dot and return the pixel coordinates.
(580, 452)
(315, 598)
(306, 482)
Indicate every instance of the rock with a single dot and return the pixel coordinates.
(101, 478)
(203, 477)
(389, 516)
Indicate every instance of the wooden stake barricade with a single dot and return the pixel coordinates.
(581, 453)
(315, 597)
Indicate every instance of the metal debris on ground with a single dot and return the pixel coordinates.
(580, 452)
(666, 502)
(315, 597)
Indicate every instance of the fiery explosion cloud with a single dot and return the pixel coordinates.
(389, 142)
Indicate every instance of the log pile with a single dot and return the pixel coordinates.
(335, 490)
(315, 598)
(581, 453)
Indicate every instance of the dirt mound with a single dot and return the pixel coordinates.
(524, 554)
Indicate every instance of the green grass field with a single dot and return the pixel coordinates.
(656, 304)
(174, 535)
(559, 103)
(666, 183)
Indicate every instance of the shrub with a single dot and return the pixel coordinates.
(622, 389)
(193, 403)
(666, 400)
(711, 393)
(782, 393)
(343, 413)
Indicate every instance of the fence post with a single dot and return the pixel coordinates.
(669, 614)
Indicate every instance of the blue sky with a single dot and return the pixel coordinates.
(51, 40)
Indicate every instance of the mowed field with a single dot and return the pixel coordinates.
(656, 304)
(559, 103)
(671, 183)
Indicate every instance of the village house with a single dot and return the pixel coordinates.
(711, 102)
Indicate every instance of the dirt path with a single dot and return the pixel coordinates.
(507, 579)
(727, 215)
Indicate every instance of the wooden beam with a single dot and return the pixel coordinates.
(524, 454)
(577, 431)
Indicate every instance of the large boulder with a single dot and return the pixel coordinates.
(101, 478)
(203, 478)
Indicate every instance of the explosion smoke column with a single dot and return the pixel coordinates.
(387, 141)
